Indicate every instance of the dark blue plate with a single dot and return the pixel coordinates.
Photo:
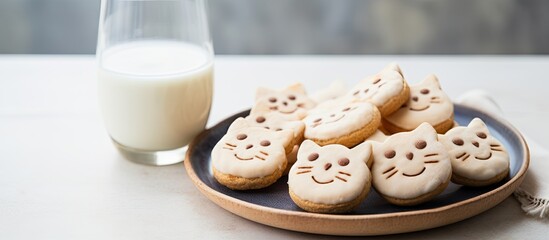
(455, 203)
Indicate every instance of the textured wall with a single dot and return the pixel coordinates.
(307, 26)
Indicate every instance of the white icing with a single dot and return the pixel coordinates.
(378, 136)
(338, 120)
(468, 165)
(263, 160)
(292, 103)
(335, 90)
(434, 107)
(275, 122)
(403, 187)
(335, 190)
(380, 88)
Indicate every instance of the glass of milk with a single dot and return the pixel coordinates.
(155, 76)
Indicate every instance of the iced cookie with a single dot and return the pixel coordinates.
(427, 103)
(387, 90)
(347, 123)
(411, 167)
(250, 157)
(335, 90)
(276, 122)
(478, 159)
(330, 179)
(292, 103)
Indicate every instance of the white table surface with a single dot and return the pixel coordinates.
(61, 178)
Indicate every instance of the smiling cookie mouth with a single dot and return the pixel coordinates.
(320, 123)
(413, 175)
(420, 109)
(319, 182)
(288, 112)
(486, 158)
(243, 159)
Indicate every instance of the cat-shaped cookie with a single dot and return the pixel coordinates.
(292, 102)
(249, 157)
(344, 122)
(411, 167)
(387, 90)
(427, 103)
(330, 179)
(478, 159)
(275, 122)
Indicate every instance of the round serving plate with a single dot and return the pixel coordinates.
(375, 216)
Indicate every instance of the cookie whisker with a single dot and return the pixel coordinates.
(496, 149)
(495, 145)
(305, 167)
(260, 157)
(432, 161)
(264, 153)
(467, 156)
(344, 173)
(461, 155)
(431, 155)
(228, 148)
(342, 179)
(273, 108)
(388, 170)
(300, 105)
(392, 174)
(230, 145)
(306, 171)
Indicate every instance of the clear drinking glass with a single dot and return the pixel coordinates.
(155, 76)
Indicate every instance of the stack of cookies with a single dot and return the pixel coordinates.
(400, 139)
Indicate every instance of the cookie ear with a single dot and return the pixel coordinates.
(374, 145)
(392, 67)
(362, 151)
(285, 136)
(425, 129)
(441, 137)
(239, 123)
(305, 149)
(297, 87)
(431, 80)
(477, 123)
(262, 92)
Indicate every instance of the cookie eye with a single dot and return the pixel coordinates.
(366, 90)
(346, 109)
(272, 99)
(265, 143)
(260, 119)
(312, 157)
(343, 162)
(481, 135)
(355, 93)
(278, 129)
(424, 91)
(420, 144)
(291, 97)
(415, 98)
(376, 81)
(458, 141)
(390, 154)
(241, 136)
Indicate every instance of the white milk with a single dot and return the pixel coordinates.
(155, 95)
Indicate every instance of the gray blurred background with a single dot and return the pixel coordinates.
(306, 26)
